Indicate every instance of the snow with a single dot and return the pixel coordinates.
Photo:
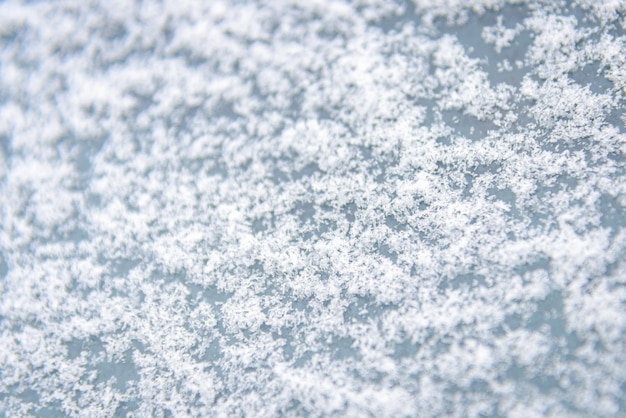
(296, 208)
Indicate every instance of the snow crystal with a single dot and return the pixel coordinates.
(313, 208)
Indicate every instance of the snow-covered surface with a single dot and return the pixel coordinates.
(358, 208)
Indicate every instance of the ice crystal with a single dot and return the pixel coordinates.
(312, 208)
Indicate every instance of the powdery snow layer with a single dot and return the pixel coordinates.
(312, 208)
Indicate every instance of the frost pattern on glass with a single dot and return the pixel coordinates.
(313, 208)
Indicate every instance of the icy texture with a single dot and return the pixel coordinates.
(313, 208)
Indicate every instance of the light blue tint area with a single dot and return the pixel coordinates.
(342, 208)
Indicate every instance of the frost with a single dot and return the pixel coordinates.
(312, 208)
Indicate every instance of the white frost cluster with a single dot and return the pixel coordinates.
(313, 208)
